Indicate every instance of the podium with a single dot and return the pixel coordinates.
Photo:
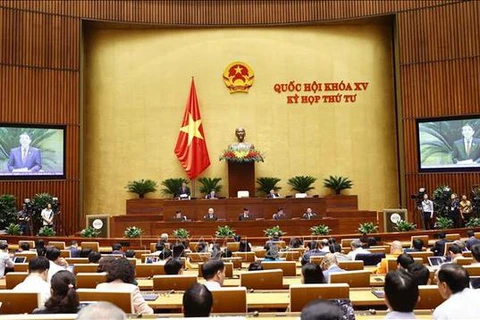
(241, 176)
(392, 216)
(100, 222)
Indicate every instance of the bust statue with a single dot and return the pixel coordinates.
(241, 144)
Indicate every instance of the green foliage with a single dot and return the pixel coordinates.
(39, 202)
(141, 187)
(367, 227)
(224, 232)
(133, 232)
(46, 231)
(441, 199)
(337, 183)
(181, 233)
(444, 223)
(172, 186)
(9, 138)
(89, 232)
(321, 229)
(265, 184)
(274, 231)
(302, 184)
(13, 229)
(403, 225)
(8, 210)
(473, 223)
(208, 185)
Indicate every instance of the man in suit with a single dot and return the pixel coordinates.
(309, 214)
(178, 216)
(245, 215)
(280, 215)
(273, 195)
(472, 240)
(184, 191)
(211, 195)
(466, 150)
(210, 216)
(438, 248)
(329, 265)
(24, 158)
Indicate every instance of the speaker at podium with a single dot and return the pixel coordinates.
(100, 222)
(391, 217)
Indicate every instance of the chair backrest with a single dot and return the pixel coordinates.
(301, 294)
(31, 243)
(90, 279)
(236, 261)
(65, 253)
(233, 246)
(264, 279)
(76, 260)
(246, 256)
(452, 236)
(464, 261)
(199, 256)
(133, 261)
(393, 265)
(17, 302)
(145, 270)
(279, 244)
(422, 254)
(473, 271)
(27, 254)
(14, 278)
(139, 253)
(228, 269)
(229, 300)
(351, 265)
(21, 267)
(289, 267)
(467, 254)
(423, 237)
(377, 250)
(94, 245)
(290, 255)
(260, 253)
(317, 259)
(60, 245)
(85, 267)
(153, 246)
(346, 243)
(370, 259)
(430, 297)
(173, 282)
(355, 279)
(122, 299)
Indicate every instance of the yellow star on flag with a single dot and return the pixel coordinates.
(192, 128)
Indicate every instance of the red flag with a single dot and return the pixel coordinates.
(191, 147)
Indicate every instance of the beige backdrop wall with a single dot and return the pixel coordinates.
(137, 83)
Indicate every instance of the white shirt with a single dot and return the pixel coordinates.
(139, 304)
(212, 285)
(47, 214)
(54, 268)
(427, 205)
(400, 315)
(34, 282)
(461, 305)
(352, 254)
(5, 261)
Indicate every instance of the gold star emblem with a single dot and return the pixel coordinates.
(238, 69)
(192, 128)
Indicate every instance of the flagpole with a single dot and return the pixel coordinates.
(193, 186)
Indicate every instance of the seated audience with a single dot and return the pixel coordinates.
(396, 249)
(197, 301)
(438, 248)
(322, 310)
(255, 266)
(309, 214)
(336, 249)
(476, 254)
(404, 260)
(94, 257)
(401, 294)
(312, 273)
(120, 276)
(178, 250)
(165, 254)
(130, 254)
(454, 252)
(202, 246)
(316, 250)
(104, 263)
(356, 249)
(420, 273)
(214, 273)
(244, 246)
(64, 297)
(227, 253)
(117, 249)
(461, 301)
(330, 265)
(173, 266)
(5, 260)
(57, 263)
(245, 215)
(472, 240)
(74, 250)
(101, 310)
(417, 246)
(295, 243)
(40, 247)
(179, 216)
(163, 241)
(84, 253)
(271, 253)
(37, 279)
(212, 195)
(24, 246)
(210, 216)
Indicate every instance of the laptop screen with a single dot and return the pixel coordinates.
(19, 259)
(436, 261)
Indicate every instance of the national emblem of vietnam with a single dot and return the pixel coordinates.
(238, 77)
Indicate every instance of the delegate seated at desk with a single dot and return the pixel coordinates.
(178, 216)
(210, 216)
(245, 215)
(280, 215)
(273, 195)
(309, 214)
(183, 192)
(212, 195)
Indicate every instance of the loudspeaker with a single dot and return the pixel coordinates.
(100, 222)
(392, 216)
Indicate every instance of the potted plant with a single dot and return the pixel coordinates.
(367, 227)
(181, 234)
(274, 231)
(265, 184)
(46, 231)
(321, 230)
(13, 229)
(443, 223)
(473, 223)
(8, 210)
(89, 232)
(133, 232)
(209, 184)
(141, 187)
(403, 226)
(172, 186)
(224, 232)
(441, 200)
(302, 184)
(337, 183)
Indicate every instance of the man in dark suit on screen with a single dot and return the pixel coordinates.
(24, 158)
(467, 150)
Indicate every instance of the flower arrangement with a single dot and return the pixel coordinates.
(132, 232)
(241, 155)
